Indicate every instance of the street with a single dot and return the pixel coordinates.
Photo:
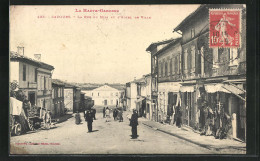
(107, 138)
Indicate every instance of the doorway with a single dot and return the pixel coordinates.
(105, 102)
(31, 97)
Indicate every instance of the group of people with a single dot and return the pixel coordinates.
(215, 121)
(174, 116)
(89, 115)
(118, 114)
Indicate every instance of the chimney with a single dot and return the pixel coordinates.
(20, 50)
(37, 57)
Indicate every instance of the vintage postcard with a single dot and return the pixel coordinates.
(128, 79)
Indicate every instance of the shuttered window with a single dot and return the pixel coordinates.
(215, 58)
(193, 58)
(24, 72)
(186, 59)
(233, 57)
(171, 71)
(166, 69)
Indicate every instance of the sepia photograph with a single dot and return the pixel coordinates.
(127, 79)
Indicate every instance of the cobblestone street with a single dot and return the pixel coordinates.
(108, 138)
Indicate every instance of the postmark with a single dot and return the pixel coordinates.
(224, 28)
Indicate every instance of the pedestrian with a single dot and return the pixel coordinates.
(107, 114)
(89, 119)
(93, 112)
(134, 123)
(47, 120)
(120, 115)
(77, 118)
(115, 112)
(104, 112)
(178, 116)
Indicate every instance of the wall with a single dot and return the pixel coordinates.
(133, 90)
(30, 76)
(99, 95)
(171, 55)
(14, 71)
(68, 98)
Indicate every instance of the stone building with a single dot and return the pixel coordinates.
(34, 79)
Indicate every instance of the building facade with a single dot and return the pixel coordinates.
(106, 96)
(215, 76)
(152, 49)
(58, 106)
(34, 79)
(204, 81)
(169, 78)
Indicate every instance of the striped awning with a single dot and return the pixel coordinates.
(212, 88)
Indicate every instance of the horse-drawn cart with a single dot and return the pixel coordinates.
(19, 121)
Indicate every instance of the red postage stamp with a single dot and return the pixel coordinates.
(224, 28)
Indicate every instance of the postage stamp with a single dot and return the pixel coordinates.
(224, 28)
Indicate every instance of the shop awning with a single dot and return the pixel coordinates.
(139, 100)
(187, 88)
(212, 88)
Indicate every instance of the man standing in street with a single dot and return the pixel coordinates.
(89, 119)
(104, 112)
(93, 112)
(134, 123)
(107, 114)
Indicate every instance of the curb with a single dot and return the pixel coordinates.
(180, 137)
(193, 142)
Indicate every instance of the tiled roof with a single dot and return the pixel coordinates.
(66, 84)
(173, 42)
(16, 56)
(158, 43)
(58, 82)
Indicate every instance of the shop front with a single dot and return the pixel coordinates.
(223, 110)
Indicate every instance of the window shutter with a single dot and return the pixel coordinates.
(38, 82)
(193, 57)
(186, 59)
(189, 61)
(159, 71)
(169, 66)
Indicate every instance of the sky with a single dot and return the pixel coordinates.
(94, 50)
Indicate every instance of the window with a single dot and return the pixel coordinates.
(192, 33)
(111, 102)
(202, 60)
(193, 58)
(35, 75)
(166, 69)
(215, 58)
(53, 93)
(92, 94)
(171, 67)
(160, 69)
(24, 72)
(44, 83)
(186, 59)
(98, 94)
(233, 57)
(176, 65)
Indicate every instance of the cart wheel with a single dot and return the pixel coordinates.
(18, 129)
